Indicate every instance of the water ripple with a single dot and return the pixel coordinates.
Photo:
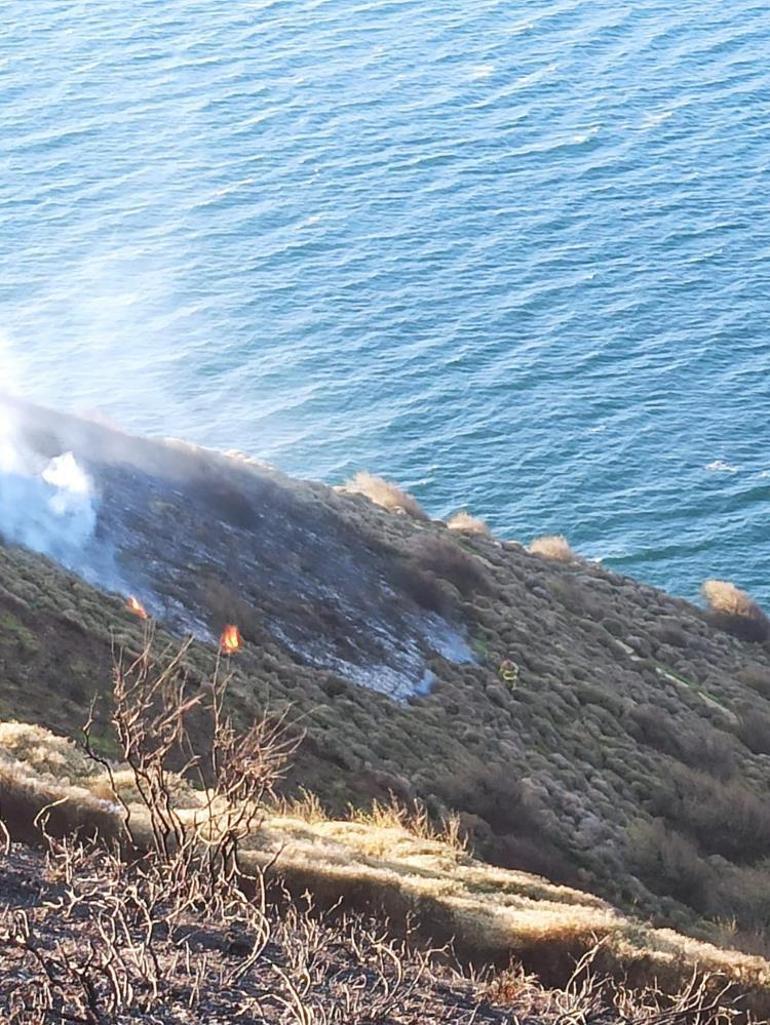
(516, 259)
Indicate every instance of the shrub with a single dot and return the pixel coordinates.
(447, 560)
(518, 836)
(669, 863)
(467, 524)
(756, 677)
(695, 744)
(385, 494)
(424, 588)
(553, 546)
(733, 611)
(723, 818)
(754, 731)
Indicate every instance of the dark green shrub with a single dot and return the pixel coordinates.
(669, 863)
(757, 677)
(447, 560)
(754, 731)
(722, 818)
(696, 744)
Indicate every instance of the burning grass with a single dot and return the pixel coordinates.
(230, 639)
(618, 685)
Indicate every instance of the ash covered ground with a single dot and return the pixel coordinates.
(203, 538)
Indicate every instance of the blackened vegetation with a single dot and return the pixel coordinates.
(206, 539)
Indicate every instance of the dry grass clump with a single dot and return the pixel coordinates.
(385, 494)
(553, 546)
(467, 524)
(413, 819)
(47, 755)
(734, 611)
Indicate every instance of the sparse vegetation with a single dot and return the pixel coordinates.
(733, 611)
(553, 546)
(385, 494)
(98, 941)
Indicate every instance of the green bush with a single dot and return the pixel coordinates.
(721, 818)
(669, 863)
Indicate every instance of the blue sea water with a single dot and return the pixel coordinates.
(515, 256)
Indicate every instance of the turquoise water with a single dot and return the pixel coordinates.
(515, 256)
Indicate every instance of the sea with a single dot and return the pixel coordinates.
(512, 255)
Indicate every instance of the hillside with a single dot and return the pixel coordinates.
(625, 750)
(375, 918)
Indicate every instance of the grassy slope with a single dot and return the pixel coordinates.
(385, 862)
(628, 719)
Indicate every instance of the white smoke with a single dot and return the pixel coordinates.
(49, 505)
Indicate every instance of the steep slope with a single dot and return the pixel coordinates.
(624, 746)
(388, 863)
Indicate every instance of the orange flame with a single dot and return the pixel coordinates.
(231, 640)
(135, 606)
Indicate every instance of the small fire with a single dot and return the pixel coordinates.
(231, 640)
(135, 606)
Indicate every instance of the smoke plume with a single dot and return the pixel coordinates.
(49, 505)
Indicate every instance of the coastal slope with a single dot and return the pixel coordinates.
(584, 726)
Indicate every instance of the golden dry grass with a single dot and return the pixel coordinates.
(735, 611)
(553, 546)
(51, 757)
(723, 596)
(385, 494)
(467, 524)
(390, 860)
